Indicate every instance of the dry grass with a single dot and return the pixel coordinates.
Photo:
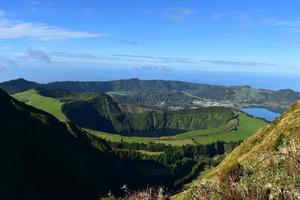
(275, 176)
(150, 193)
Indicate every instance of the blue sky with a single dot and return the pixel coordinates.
(49, 40)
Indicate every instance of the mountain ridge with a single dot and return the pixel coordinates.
(169, 93)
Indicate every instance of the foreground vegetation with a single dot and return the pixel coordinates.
(265, 166)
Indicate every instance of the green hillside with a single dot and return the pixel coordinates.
(264, 166)
(50, 105)
(246, 127)
(18, 85)
(43, 158)
(102, 113)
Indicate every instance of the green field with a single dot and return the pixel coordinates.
(247, 126)
(50, 105)
(119, 138)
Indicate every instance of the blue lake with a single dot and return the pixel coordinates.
(262, 112)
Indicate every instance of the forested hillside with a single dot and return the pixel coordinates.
(99, 111)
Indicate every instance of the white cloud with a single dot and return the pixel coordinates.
(238, 63)
(177, 13)
(35, 54)
(293, 26)
(11, 29)
(156, 68)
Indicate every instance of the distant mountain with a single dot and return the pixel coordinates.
(130, 85)
(43, 158)
(160, 93)
(18, 85)
(265, 166)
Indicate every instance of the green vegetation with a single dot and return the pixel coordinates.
(134, 139)
(72, 165)
(264, 166)
(153, 146)
(50, 105)
(18, 85)
(111, 112)
(247, 126)
(151, 153)
(185, 162)
(103, 114)
(36, 148)
(172, 93)
(100, 112)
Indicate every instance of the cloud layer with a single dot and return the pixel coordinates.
(6, 62)
(11, 29)
(154, 68)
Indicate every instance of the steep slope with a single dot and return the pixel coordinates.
(100, 112)
(265, 165)
(42, 158)
(266, 140)
(47, 104)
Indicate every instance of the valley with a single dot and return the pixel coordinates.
(236, 129)
(170, 145)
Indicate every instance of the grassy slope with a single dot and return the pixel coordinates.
(118, 138)
(50, 105)
(247, 127)
(274, 171)
(264, 140)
